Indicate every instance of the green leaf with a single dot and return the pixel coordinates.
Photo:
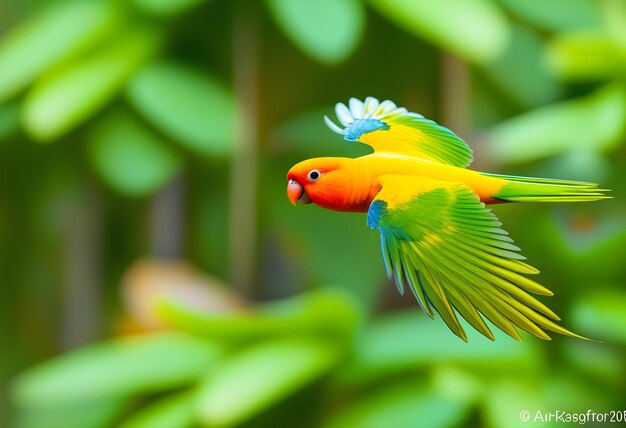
(327, 30)
(173, 411)
(119, 368)
(77, 414)
(71, 95)
(187, 104)
(474, 29)
(587, 56)
(601, 315)
(518, 72)
(258, 377)
(58, 32)
(130, 157)
(326, 314)
(558, 15)
(166, 7)
(407, 404)
(424, 342)
(596, 122)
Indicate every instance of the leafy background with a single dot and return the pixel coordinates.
(153, 273)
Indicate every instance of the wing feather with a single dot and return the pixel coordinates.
(451, 252)
(388, 128)
(417, 288)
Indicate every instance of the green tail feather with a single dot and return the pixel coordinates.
(530, 189)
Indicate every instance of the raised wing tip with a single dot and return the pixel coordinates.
(369, 109)
(333, 127)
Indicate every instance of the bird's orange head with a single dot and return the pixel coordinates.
(324, 181)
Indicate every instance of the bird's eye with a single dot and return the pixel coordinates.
(314, 175)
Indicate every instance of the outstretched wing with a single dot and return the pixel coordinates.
(388, 128)
(438, 238)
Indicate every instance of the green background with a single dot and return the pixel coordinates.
(154, 274)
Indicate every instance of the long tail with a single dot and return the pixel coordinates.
(530, 189)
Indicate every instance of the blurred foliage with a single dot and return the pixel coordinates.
(204, 109)
(580, 15)
(120, 143)
(328, 30)
(555, 129)
(115, 309)
(475, 29)
(78, 90)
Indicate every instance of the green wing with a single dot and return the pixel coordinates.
(441, 241)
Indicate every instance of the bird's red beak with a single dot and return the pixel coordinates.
(296, 193)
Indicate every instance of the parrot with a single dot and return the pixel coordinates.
(437, 236)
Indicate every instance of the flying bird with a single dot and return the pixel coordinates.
(437, 236)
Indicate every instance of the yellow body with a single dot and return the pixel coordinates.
(352, 184)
